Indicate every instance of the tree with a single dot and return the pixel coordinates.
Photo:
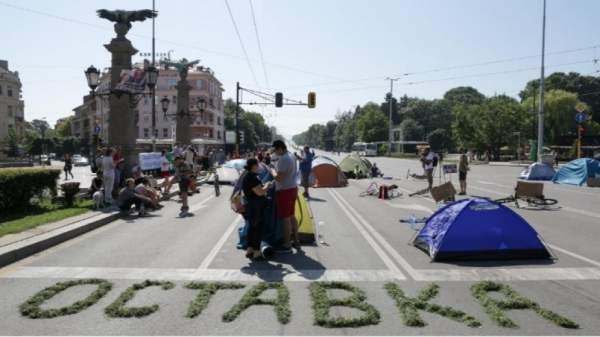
(439, 139)
(64, 128)
(464, 95)
(345, 131)
(385, 108)
(411, 130)
(559, 113)
(12, 143)
(372, 125)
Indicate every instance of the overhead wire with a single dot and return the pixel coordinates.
(237, 31)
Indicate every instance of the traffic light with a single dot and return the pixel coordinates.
(312, 100)
(278, 100)
(242, 137)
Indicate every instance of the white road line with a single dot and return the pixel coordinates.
(390, 250)
(410, 207)
(200, 205)
(510, 274)
(575, 255)
(186, 274)
(215, 250)
(378, 250)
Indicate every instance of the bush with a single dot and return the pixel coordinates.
(19, 185)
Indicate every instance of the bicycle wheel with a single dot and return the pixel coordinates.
(543, 202)
(505, 200)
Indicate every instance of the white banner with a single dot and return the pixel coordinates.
(149, 160)
(230, 137)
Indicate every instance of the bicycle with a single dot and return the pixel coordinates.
(531, 193)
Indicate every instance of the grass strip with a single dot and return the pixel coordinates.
(409, 307)
(32, 307)
(118, 308)
(514, 301)
(322, 305)
(281, 302)
(207, 290)
(43, 214)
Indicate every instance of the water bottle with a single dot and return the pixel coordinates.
(412, 220)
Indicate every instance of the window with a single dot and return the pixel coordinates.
(210, 133)
(0, 90)
(9, 91)
(218, 120)
(10, 111)
(210, 118)
(174, 100)
(146, 133)
(155, 133)
(199, 84)
(171, 83)
(165, 133)
(10, 126)
(219, 134)
(145, 100)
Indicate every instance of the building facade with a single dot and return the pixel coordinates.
(12, 107)
(208, 127)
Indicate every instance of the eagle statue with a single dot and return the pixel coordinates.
(123, 18)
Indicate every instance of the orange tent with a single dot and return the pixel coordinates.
(326, 173)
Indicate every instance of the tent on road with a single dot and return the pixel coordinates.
(577, 172)
(479, 229)
(326, 173)
(352, 161)
(538, 171)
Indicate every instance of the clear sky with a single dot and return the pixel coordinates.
(342, 49)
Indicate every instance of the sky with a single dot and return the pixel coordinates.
(341, 49)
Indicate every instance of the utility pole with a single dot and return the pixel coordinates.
(237, 117)
(390, 103)
(154, 131)
(540, 136)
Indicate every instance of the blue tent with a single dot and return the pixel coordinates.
(479, 229)
(576, 172)
(538, 171)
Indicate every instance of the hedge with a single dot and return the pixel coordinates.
(19, 185)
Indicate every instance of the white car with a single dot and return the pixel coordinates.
(80, 160)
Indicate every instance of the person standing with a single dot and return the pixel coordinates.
(427, 161)
(68, 167)
(256, 197)
(164, 165)
(306, 160)
(463, 168)
(286, 188)
(183, 173)
(108, 175)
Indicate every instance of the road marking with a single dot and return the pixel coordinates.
(186, 274)
(215, 250)
(575, 255)
(200, 205)
(378, 250)
(483, 182)
(306, 275)
(390, 250)
(509, 274)
(410, 207)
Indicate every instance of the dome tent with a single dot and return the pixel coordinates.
(537, 171)
(326, 173)
(577, 172)
(479, 229)
(353, 160)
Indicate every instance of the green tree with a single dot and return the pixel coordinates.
(411, 130)
(559, 113)
(464, 95)
(439, 139)
(12, 143)
(345, 131)
(64, 128)
(372, 125)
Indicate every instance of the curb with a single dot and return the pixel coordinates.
(19, 250)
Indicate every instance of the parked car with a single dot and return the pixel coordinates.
(79, 160)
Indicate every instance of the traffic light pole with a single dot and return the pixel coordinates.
(390, 103)
(540, 135)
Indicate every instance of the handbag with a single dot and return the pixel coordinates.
(237, 202)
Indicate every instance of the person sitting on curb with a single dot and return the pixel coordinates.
(128, 197)
(375, 172)
(142, 186)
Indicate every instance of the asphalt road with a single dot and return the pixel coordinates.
(361, 241)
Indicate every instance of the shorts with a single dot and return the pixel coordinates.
(184, 184)
(305, 179)
(286, 202)
(165, 174)
(462, 176)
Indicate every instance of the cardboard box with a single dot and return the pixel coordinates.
(443, 192)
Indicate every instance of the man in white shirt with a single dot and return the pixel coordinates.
(108, 175)
(427, 159)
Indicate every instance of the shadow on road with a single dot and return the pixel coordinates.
(274, 270)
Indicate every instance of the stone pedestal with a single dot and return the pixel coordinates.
(184, 121)
(122, 131)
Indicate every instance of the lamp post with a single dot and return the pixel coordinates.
(540, 131)
(390, 103)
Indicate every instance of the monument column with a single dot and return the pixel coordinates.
(122, 131)
(183, 132)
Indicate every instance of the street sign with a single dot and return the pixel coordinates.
(580, 117)
(230, 137)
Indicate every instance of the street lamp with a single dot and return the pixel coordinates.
(164, 103)
(92, 75)
(151, 74)
(201, 105)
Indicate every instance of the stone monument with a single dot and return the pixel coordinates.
(183, 131)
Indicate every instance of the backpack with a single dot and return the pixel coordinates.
(435, 160)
